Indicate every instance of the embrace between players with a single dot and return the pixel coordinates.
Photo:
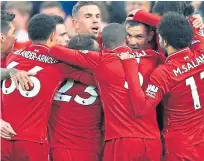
(98, 78)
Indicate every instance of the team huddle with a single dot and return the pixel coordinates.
(96, 96)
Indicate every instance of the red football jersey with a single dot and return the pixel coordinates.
(120, 119)
(76, 116)
(28, 111)
(180, 82)
(148, 60)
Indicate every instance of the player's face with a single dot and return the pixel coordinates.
(132, 5)
(8, 40)
(19, 19)
(53, 11)
(163, 45)
(137, 37)
(61, 35)
(88, 20)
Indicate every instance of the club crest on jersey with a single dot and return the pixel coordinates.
(84, 51)
(152, 90)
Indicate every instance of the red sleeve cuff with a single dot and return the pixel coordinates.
(147, 18)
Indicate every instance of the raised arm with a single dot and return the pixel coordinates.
(142, 101)
(84, 77)
(144, 17)
(82, 58)
(198, 31)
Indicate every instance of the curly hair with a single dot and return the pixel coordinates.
(40, 27)
(176, 30)
(180, 7)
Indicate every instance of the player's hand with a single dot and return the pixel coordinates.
(6, 130)
(125, 55)
(198, 21)
(131, 14)
(23, 78)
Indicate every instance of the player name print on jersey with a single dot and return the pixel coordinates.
(190, 65)
(34, 56)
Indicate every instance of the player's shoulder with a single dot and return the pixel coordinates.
(146, 53)
(161, 73)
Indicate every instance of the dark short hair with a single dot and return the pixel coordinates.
(58, 19)
(83, 42)
(180, 7)
(131, 23)
(79, 5)
(40, 27)
(6, 19)
(113, 35)
(51, 4)
(176, 30)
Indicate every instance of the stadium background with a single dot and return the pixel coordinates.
(111, 11)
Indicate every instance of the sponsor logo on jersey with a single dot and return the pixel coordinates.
(151, 91)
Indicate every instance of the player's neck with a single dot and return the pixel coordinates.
(171, 50)
(3, 55)
(40, 42)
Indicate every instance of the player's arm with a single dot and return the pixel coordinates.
(144, 17)
(198, 31)
(6, 130)
(85, 59)
(142, 102)
(18, 76)
(5, 73)
(81, 76)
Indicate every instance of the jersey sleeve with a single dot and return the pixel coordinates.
(198, 39)
(147, 18)
(68, 72)
(85, 59)
(142, 101)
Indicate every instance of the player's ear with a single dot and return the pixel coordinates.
(52, 37)
(150, 36)
(3, 38)
(75, 24)
(165, 43)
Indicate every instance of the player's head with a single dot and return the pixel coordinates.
(84, 42)
(180, 7)
(52, 8)
(113, 36)
(61, 32)
(132, 5)
(41, 29)
(86, 18)
(7, 33)
(22, 11)
(175, 32)
(138, 34)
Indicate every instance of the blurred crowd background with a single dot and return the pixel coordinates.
(111, 11)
